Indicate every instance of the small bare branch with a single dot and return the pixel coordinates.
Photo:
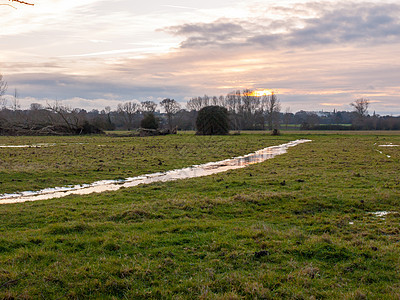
(18, 1)
(22, 2)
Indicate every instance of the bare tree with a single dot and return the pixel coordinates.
(36, 106)
(361, 110)
(215, 101)
(193, 104)
(361, 106)
(311, 121)
(107, 111)
(3, 89)
(273, 108)
(128, 110)
(287, 116)
(37, 115)
(197, 103)
(148, 106)
(15, 105)
(221, 101)
(251, 110)
(171, 107)
(73, 119)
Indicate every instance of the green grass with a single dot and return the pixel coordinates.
(85, 159)
(298, 226)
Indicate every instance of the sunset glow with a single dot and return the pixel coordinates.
(260, 93)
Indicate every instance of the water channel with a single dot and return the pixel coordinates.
(190, 172)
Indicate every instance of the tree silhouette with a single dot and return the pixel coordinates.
(3, 89)
(212, 120)
(273, 108)
(171, 107)
(361, 110)
(361, 106)
(148, 106)
(128, 110)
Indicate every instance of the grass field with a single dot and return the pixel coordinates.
(84, 159)
(300, 226)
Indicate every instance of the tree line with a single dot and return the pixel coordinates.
(245, 111)
(249, 112)
(56, 118)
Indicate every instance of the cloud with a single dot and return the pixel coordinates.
(365, 24)
(333, 104)
(315, 25)
(215, 29)
(313, 53)
(28, 19)
(302, 79)
(57, 86)
(220, 32)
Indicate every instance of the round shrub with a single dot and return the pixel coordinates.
(212, 120)
(149, 121)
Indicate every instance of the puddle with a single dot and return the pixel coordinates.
(28, 146)
(39, 145)
(388, 145)
(190, 172)
(382, 214)
(388, 156)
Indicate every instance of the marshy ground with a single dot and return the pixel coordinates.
(301, 225)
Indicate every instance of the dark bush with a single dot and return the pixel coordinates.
(149, 121)
(88, 128)
(275, 132)
(212, 120)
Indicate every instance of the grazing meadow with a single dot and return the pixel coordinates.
(321, 221)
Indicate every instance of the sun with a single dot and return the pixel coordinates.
(260, 93)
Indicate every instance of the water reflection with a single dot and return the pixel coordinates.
(190, 172)
(28, 146)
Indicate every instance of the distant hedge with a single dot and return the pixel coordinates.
(326, 127)
(212, 120)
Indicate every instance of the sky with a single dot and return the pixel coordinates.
(315, 55)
